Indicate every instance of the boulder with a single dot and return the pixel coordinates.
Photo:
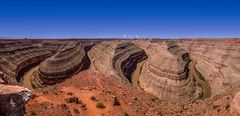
(12, 100)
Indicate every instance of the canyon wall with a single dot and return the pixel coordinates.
(101, 56)
(66, 62)
(217, 60)
(18, 57)
(125, 59)
(165, 74)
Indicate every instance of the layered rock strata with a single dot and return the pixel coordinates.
(101, 56)
(63, 64)
(13, 99)
(218, 61)
(165, 74)
(125, 59)
(17, 58)
(182, 55)
(55, 46)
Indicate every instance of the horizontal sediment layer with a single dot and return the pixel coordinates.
(14, 63)
(126, 57)
(101, 56)
(63, 64)
(165, 74)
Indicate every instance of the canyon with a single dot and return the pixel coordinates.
(125, 76)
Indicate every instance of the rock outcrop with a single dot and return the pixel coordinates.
(63, 64)
(16, 58)
(125, 59)
(165, 74)
(13, 99)
(218, 60)
(101, 56)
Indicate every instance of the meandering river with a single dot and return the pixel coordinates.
(27, 78)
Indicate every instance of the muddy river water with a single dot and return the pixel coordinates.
(136, 74)
(27, 78)
(205, 86)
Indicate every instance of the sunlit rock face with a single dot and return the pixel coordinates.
(101, 56)
(114, 58)
(165, 74)
(126, 57)
(12, 100)
(63, 64)
(217, 60)
(17, 57)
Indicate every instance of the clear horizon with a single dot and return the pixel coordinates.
(120, 19)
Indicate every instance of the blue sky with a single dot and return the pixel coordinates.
(120, 18)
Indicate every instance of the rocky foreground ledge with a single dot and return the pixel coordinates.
(12, 100)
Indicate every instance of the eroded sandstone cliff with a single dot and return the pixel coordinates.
(13, 99)
(66, 62)
(165, 74)
(125, 59)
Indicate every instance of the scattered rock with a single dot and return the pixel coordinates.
(93, 98)
(83, 106)
(73, 100)
(135, 99)
(76, 111)
(116, 102)
(70, 93)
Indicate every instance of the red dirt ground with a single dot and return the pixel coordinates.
(134, 102)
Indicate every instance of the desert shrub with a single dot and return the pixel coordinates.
(116, 102)
(216, 106)
(227, 107)
(70, 93)
(179, 111)
(126, 114)
(93, 98)
(73, 100)
(33, 113)
(100, 105)
(76, 111)
(69, 113)
(64, 106)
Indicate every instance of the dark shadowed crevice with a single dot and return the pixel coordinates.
(127, 56)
